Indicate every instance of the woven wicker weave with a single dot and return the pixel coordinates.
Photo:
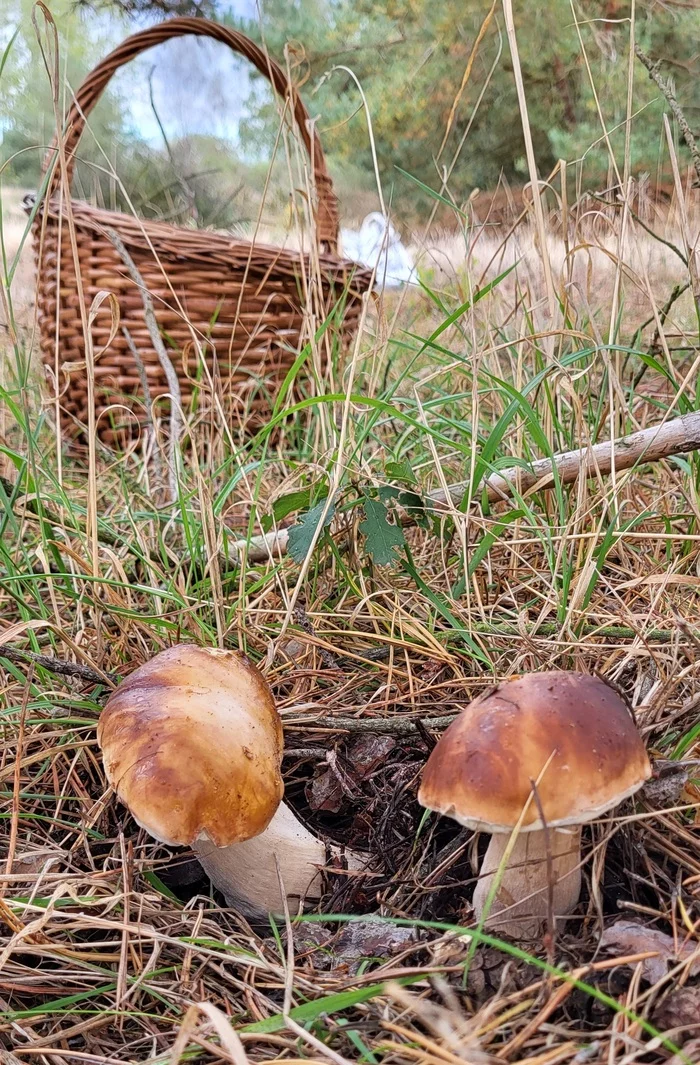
(238, 305)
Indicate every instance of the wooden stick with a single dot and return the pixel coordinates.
(398, 726)
(674, 437)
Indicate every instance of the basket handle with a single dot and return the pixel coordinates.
(92, 88)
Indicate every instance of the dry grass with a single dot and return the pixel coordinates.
(113, 948)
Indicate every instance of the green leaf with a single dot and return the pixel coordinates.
(378, 405)
(401, 471)
(431, 192)
(292, 501)
(462, 309)
(355, 1038)
(686, 741)
(8, 49)
(61, 1005)
(380, 536)
(301, 535)
(329, 1004)
(415, 505)
(154, 880)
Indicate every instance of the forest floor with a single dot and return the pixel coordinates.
(112, 947)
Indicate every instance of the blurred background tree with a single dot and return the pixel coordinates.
(410, 58)
(27, 116)
(125, 156)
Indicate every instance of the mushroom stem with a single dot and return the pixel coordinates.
(246, 872)
(519, 909)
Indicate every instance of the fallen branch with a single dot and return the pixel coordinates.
(674, 437)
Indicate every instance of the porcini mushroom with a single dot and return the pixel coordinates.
(556, 749)
(192, 743)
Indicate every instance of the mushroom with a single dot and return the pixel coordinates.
(544, 752)
(192, 743)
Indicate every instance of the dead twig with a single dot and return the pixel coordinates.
(396, 726)
(665, 85)
(55, 665)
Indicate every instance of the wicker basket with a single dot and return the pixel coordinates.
(239, 306)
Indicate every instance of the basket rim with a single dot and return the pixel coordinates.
(179, 242)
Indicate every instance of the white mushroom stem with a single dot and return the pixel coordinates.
(247, 874)
(519, 909)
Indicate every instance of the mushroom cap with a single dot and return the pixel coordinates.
(482, 769)
(192, 743)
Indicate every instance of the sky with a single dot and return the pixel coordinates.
(199, 85)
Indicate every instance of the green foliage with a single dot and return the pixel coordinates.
(26, 94)
(291, 502)
(401, 471)
(195, 179)
(302, 534)
(410, 57)
(381, 537)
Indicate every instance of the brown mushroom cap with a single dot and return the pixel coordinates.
(482, 769)
(192, 743)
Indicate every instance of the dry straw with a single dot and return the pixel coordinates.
(239, 307)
